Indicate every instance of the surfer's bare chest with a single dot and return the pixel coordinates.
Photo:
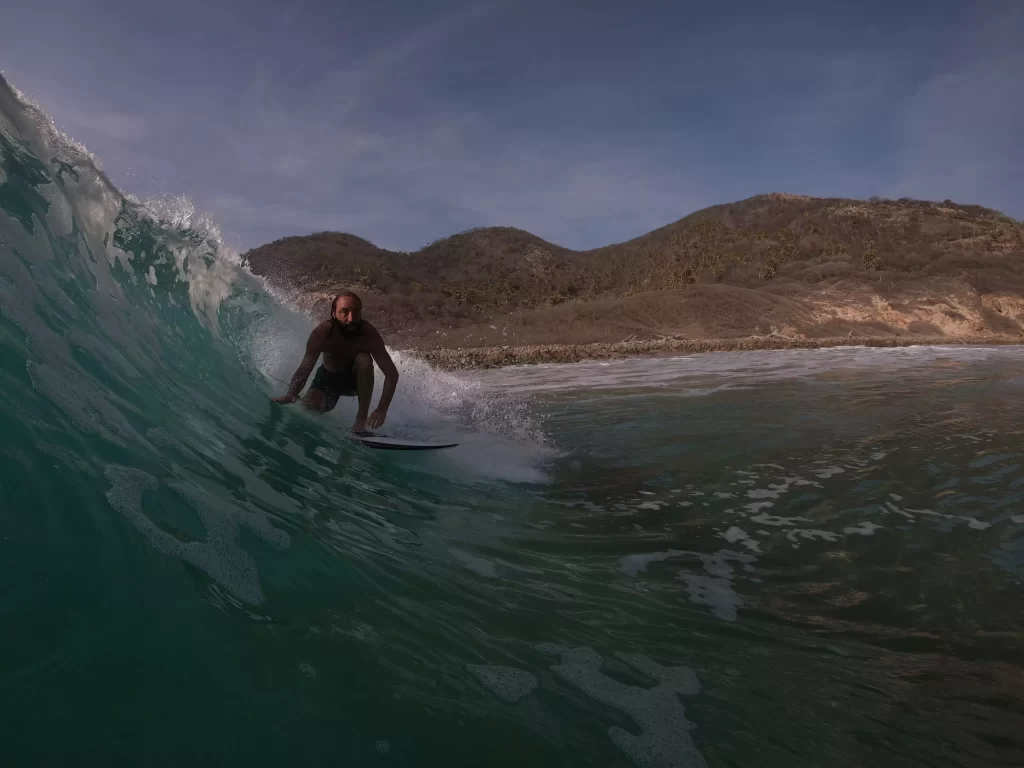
(340, 353)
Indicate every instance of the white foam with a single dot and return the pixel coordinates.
(765, 519)
(893, 508)
(709, 373)
(331, 455)
(972, 522)
(865, 528)
(771, 492)
(811, 534)
(218, 556)
(634, 564)
(752, 508)
(682, 680)
(507, 683)
(664, 739)
(828, 472)
(717, 593)
(715, 590)
(737, 535)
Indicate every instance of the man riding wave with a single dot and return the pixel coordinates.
(350, 346)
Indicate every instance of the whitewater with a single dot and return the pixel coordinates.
(795, 558)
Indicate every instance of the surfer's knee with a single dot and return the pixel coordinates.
(315, 400)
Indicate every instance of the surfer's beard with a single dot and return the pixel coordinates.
(347, 330)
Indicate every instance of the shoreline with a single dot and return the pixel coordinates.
(469, 358)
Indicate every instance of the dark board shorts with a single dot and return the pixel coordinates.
(335, 384)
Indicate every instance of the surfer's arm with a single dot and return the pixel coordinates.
(313, 348)
(380, 355)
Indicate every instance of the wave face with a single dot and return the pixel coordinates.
(790, 558)
(168, 532)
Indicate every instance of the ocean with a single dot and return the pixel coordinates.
(806, 558)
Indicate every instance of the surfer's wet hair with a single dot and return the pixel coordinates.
(342, 295)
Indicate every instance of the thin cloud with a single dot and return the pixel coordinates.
(344, 88)
(963, 127)
(113, 125)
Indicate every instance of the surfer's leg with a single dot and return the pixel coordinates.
(325, 390)
(315, 400)
(363, 369)
(318, 396)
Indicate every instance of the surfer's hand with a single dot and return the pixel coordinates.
(377, 418)
(284, 399)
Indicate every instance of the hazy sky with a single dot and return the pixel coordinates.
(585, 122)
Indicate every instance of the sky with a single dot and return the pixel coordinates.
(586, 122)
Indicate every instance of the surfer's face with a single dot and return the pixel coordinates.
(348, 315)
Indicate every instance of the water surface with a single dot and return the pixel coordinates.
(779, 559)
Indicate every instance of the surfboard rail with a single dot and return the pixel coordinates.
(383, 442)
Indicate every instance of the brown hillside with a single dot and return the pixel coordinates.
(805, 267)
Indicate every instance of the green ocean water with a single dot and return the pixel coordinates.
(761, 559)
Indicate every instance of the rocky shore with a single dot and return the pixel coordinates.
(496, 357)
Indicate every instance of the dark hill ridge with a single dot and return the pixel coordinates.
(805, 266)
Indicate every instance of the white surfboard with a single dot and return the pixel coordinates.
(383, 442)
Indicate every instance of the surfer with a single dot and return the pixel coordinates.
(350, 346)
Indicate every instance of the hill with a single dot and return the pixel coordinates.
(780, 264)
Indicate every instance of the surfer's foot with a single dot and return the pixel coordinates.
(359, 426)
